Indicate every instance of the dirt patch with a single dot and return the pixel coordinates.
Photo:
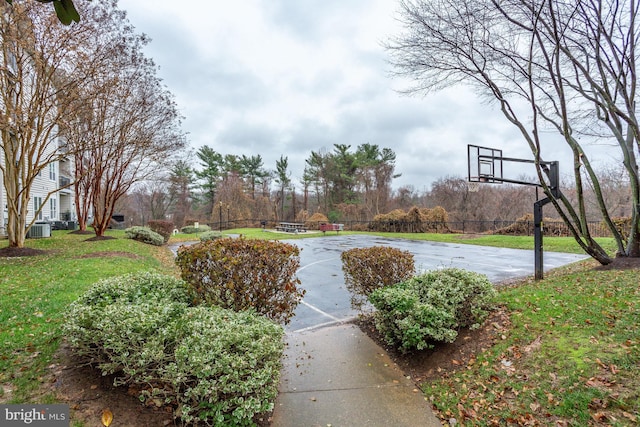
(10, 252)
(621, 263)
(426, 365)
(88, 393)
(99, 238)
(111, 254)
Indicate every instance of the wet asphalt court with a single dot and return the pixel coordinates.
(327, 301)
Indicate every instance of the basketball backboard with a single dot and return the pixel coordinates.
(484, 164)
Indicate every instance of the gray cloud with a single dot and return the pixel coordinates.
(287, 77)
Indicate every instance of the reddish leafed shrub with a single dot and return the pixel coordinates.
(368, 269)
(241, 274)
(163, 228)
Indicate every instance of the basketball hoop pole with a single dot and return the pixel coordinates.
(538, 251)
(491, 160)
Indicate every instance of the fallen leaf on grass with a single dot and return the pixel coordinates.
(599, 383)
(535, 345)
(599, 417)
(612, 368)
(596, 404)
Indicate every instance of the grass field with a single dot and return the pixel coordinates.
(570, 357)
(35, 292)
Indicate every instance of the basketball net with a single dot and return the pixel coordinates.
(473, 187)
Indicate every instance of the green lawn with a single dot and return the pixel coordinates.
(572, 351)
(570, 357)
(35, 293)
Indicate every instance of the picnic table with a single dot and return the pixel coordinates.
(331, 227)
(291, 227)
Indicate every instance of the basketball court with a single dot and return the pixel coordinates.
(327, 301)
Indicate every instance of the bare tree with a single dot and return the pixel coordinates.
(65, 10)
(142, 134)
(567, 65)
(126, 127)
(40, 66)
(133, 128)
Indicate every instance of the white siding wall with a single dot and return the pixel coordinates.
(48, 180)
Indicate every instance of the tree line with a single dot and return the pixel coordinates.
(342, 182)
(225, 190)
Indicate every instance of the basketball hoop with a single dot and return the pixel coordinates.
(473, 187)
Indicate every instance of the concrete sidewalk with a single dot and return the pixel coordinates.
(337, 376)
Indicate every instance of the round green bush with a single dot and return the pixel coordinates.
(210, 235)
(432, 307)
(144, 235)
(191, 229)
(212, 365)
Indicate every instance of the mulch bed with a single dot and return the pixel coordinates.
(10, 252)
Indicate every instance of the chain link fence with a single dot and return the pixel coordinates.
(519, 228)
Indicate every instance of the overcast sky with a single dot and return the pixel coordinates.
(285, 77)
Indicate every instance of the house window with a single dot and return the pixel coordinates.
(53, 207)
(52, 171)
(37, 203)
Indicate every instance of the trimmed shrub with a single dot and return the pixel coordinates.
(191, 229)
(210, 235)
(227, 366)
(144, 235)
(525, 226)
(368, 269)
(163, 228)
(432, 307)
(414, 221)
(133, 288)
(242, 274)
(212, 365)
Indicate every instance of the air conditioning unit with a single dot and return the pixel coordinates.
(40, 230)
